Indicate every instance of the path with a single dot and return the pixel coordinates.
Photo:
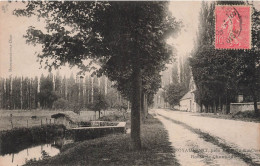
(209, 141)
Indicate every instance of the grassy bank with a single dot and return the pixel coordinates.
(116, 150)
(247, 116)
(20, 138)
(22, 118)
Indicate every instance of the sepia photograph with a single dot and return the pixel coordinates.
(129, 83)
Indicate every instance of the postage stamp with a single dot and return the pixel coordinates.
(232, 27)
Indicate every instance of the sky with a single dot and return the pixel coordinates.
(24, 57)
(188, 13)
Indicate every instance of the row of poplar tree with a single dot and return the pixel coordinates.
(55, 91)
(222, 75)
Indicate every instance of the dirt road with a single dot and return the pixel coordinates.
(209, 141)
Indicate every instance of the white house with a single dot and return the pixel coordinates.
(188, 102)
(185, 102)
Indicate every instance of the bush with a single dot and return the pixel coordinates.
(61, 104)
(76, 107)
(245, 114)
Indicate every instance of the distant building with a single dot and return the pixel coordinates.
(188, 101)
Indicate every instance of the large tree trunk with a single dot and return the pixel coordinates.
(214, 107)
(227, 105)
(144, 107)
(136, 107)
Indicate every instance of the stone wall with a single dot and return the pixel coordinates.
(84, 133)
(241, 107)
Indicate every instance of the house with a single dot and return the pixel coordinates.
(185, 102)
(188, 101)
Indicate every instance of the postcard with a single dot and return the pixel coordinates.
(130, 83)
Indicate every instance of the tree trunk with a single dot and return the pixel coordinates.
(227, 105)
(136, 106)
(145, 106)
(142, 108)
(214, 107)
(220, 104)
(255, 101)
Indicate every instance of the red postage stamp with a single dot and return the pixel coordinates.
(232, 27)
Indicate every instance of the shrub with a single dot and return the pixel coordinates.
(245, 114)
(61, 104)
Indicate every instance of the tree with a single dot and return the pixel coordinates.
(214, 71)
(220, 75)
(124, 38)
(61, 104)
(174, 92)
(250, 62)
(100, 103)
(47, 96)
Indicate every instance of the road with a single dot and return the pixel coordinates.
(201, 140)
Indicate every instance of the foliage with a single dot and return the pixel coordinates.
(127, 39)
(174, 92)
(45, 155)
(69, 93)
(61, 104)
(46, 95)
(18, 92)
(100, 103)
(103, 24)
(222, 74)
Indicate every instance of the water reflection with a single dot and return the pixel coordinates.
(27, 154)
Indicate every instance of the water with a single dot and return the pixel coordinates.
(27, 154)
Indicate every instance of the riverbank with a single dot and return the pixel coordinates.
(116, 150)
(29, 118)
(17, 139)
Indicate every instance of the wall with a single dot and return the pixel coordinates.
(236, 107)
(185, 105)
(84, 133)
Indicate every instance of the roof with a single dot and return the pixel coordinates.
(187, 96)
(69, 115)
(60, 115)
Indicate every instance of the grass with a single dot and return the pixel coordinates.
(248, 116)
(116, 150)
